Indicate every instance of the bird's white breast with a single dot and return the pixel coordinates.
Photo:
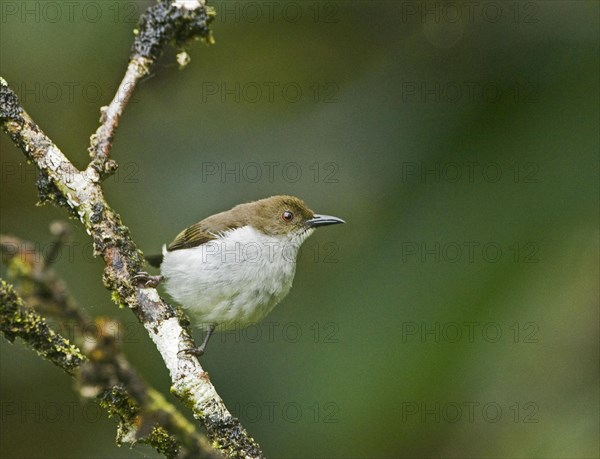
(234, 280)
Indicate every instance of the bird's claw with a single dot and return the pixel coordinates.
(146, 279)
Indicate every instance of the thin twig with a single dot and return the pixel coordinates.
(175, 21)
(61, 231)
(101, 141)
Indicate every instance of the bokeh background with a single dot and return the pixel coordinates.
(455, 315)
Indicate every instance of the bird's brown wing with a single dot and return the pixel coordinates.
(208, 229)
(203, 232)
(192, 236)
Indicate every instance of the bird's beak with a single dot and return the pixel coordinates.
(323, 220)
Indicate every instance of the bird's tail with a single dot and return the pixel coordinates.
(154, 260)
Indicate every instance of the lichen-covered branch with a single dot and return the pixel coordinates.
(81, 194)
(18, 321)
(105, 374)
(169, 21)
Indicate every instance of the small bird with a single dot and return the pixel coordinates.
(231, 269)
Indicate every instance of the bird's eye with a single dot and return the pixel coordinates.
(287, 216)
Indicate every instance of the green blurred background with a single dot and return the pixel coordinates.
(455, 315)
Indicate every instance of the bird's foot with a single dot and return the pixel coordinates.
(146, 279)
(199, 351)
(195, 351)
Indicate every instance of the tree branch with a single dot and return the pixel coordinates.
(79, 192)
(168, 21)
(104, 374)
(17, 321)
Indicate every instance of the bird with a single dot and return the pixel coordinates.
(232, 268)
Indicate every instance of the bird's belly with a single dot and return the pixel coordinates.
(232, 291)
